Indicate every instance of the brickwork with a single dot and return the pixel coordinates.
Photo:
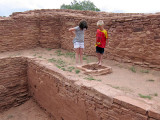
(134, 38)
(13, 82)
(18, 33)
(69, 99)
(64, 97)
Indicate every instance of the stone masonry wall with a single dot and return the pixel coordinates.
(134, 38)
(19, 32)
(66, 98)
(13, 82)
(69, 99)
(50, 26)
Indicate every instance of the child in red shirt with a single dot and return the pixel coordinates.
(101, 38)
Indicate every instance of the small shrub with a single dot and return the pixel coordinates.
(70, 68)
(63, 69)
(144, 71)
(77, 71)
(155, 94)
(85, 57)
(91, 78)
(59, 53)
(150, 80)
(133, 69)
(58, 66)
(70, 54)
(51, 60)
(61, 62)
(145, 96)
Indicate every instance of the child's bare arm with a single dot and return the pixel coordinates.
(72, 30)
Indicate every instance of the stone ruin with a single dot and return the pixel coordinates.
(95, 69)
(134, 39)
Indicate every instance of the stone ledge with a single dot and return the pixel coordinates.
(102, 97)
(133, 104)
(154, 113)
(94, 69)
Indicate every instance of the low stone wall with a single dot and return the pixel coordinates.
(13, 82)
(19, 32)
(69, 99)
(66, 98)
(134, 38)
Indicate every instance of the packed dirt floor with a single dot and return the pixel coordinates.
(141, 83)
(27, 111)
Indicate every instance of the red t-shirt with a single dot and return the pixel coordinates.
(101, 37)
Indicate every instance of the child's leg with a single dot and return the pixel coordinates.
(100, 59)
(77, 55)
(81, 55)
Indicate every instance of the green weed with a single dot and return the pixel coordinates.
(133, 69)
(70, 54)
(58, 66)
(39, 56)
(155, 94)
(144, 71)
(61, 62)
(70, 68)
(91, 78)
(64, 69)
(145, 96)
(77, 71)
(52, 60)
(59, 53)
(84, 57)
(150, 80)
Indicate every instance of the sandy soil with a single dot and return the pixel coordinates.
(27, 111)
(136, 81)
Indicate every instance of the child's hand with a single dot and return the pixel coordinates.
(72, 30)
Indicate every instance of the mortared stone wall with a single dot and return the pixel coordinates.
(134, 38)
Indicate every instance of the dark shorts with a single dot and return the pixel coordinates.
(99, 50)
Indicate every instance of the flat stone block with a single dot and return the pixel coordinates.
(95, 69)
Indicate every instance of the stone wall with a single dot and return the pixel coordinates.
(69, 99)
(50, 26)
(19, 32)
(66, 98)
(134, 38)
(13, 82)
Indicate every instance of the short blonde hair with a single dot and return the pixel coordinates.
(100, 22)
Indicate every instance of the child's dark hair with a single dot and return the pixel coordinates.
(83, 24)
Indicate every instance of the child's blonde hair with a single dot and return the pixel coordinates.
(100, 22)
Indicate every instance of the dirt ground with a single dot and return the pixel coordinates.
(132, 80)
(27, 111)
